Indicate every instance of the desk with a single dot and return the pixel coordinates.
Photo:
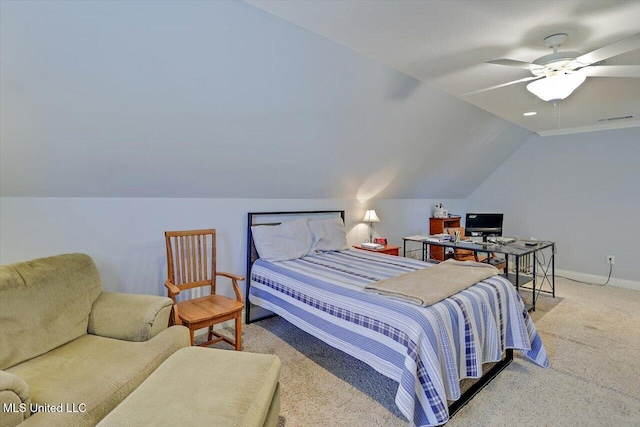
(517, 250)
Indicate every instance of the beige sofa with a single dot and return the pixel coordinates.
(69, 352)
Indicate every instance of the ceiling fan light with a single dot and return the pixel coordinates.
(556, 87)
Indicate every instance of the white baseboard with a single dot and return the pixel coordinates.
(591, 278)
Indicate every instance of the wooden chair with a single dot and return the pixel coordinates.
(191, 266)
(466, 255)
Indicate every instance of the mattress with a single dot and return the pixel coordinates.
(427, 350)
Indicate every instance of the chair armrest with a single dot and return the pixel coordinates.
(173, 289)
(129, 317)
(14, 394)
(229, 275)
(234, 280)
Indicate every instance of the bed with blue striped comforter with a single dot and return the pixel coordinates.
(427, 350)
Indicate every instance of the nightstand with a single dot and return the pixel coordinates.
(388, 249)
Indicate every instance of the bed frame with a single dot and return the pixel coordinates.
(271, 218)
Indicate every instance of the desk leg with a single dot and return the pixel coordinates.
(506, 265)
(535, 278)
(404, 248)
(553, 270)
(518, 273)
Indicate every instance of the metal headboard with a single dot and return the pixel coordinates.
(254, 313)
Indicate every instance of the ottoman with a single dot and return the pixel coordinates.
(198, 386)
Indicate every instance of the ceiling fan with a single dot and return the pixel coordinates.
(557, 75)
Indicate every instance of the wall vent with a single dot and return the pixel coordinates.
(611, 119)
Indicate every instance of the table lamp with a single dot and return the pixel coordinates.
(371, 217)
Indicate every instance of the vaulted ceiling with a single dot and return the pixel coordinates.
(222, 99)
(447, 44)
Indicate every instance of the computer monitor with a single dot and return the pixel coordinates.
(483, 224)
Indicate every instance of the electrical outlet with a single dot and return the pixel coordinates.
(195, 292)
(611, 259)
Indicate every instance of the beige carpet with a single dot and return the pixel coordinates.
(592, 335)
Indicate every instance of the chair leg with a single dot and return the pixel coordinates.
(174, 319)
(238, 333)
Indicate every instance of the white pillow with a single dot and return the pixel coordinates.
(328, 234)
(289, 240)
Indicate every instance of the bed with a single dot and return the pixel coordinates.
(427, 350)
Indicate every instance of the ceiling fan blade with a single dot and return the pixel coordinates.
(612, 71)
(526, 79)
(614, 49)
(514, 63)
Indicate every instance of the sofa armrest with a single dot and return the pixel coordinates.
(129, 317)
(14, 399)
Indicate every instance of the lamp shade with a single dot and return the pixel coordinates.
(370, 216)
(556, 87)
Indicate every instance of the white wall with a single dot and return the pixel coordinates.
(125, 236)
(581, 190)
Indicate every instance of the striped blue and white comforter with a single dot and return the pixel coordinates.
(428, 350)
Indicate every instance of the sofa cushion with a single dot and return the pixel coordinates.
(95, 371)
(206, 387)
(45, 303)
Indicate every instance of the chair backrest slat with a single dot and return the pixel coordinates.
(202, 256)
(185, 265)
(188, 258)
(197, 255)
(178, 261)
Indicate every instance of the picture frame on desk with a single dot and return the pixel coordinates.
(380, 240)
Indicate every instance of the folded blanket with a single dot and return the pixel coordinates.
(430, 285)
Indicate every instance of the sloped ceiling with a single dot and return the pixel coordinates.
(221, 100)
(447, 44)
